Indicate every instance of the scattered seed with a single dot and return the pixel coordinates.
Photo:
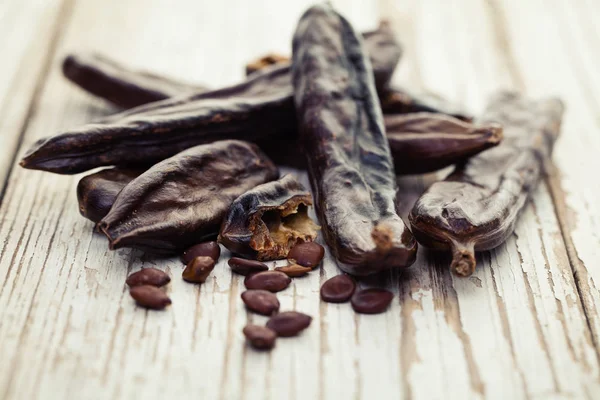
(261, 301)
(148, 276)
(294, 270)
(308, 254)
(338, 289)
(150, 297)
(371, 301)
(206, 249)
(246, 267)
(260, 337)
(289, 323)
(273, 281)
(198, 269)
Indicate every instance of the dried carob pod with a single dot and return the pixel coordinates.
(182, 200)
(127, 88)
(267, 221)
(426, 142)
(349, 161)
(477, 206)
(121, 86)
(97, 192)
(253, 109)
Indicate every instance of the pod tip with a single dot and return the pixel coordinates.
(463, 263)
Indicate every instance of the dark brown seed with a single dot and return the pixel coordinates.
(371, 301)
(273, 281)
(338, 289)
(246, 267)
(261, 301)
(260, 337)
(289, 323)
(198, 269)
(150, 297)
(308, 254)
(148, 276)
(294, 270)
(206, 249)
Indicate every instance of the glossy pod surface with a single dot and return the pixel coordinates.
(268, 220)
(181, 201)
(476, 207)
(349, 160)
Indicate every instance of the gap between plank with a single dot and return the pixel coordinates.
(60, 25)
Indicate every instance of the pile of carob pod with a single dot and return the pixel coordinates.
(191, 164)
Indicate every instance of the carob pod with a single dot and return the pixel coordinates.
(258, 108)
(267, 221)
(182, 200)
(97, 192)
(476, 207)
(121, 86)
(188, 121)
(128, 88)
(426, 142)
(420, 142)
(349, 160)
(253, 109)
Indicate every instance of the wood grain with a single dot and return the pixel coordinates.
(516, 329)
(28, 37)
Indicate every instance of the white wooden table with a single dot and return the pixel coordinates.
(525, 325)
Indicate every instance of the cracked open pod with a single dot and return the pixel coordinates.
(267, 221)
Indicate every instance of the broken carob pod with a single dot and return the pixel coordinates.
(267, 221)
(97, 192)
(121, 86)
(349, 161)
(182, 200)
(476, 207)
(426, 142)
(395, 100)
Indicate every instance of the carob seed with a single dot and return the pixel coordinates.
(294, 270)
(261, 301)
(338, 289)
(148, 276)
(198, 269)
(371, 301)
(206, 249)
(308, 254)
(246, 267)
(150, 297)
(273, 281)
(289, 323)
(260, 337)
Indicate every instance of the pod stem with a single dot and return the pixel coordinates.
(463, 259)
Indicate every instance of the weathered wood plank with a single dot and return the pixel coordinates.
(567, 67)
(27, 39)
